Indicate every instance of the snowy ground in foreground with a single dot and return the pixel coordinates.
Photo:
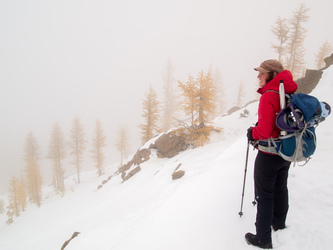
(199, 211)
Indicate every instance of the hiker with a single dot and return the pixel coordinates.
(270, 170)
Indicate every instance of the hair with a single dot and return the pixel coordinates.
(270, 77)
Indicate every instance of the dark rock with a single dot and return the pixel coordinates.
(131, 173)
(66, 242)
(309, 81)
(169, 145)
(178, 174)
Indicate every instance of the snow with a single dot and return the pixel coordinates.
(198, 211)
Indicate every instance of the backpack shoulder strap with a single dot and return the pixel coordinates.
(272, 91)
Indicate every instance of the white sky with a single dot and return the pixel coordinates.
(96, 59)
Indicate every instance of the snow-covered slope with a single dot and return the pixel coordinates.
(199, 211)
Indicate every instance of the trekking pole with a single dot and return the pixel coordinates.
(245, 170)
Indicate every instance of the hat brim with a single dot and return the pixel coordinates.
(261, 70)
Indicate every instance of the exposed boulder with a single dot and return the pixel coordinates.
(309, 81)
(177, 174)
(329, 61)
(233, 109)
(75, 234)
(312, 77)
(131, 173)
(169, 145)
(140, 157)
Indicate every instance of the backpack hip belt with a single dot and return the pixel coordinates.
(269, 146)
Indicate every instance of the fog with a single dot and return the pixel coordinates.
(96, 59)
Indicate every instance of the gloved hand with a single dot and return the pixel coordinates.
(250, 139)
(249, 135)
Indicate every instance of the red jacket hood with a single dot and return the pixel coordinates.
(289, 85)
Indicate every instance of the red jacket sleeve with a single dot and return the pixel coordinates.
(268, 108)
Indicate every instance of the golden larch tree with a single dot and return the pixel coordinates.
(205, 92)
(32, 170)
(295, 48)
(77, 144)
(281, 31)
(98, 143)
(219, 97)
(122, 143)
(199, 103)
(169, 104)
(57, 153)
(13, 196)
(22, 194)
(2, 206)
(325, 50)
(150, 114)
(10, 214)
(240, 95)
(188, 103)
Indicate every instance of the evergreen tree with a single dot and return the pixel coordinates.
(98, 143)
(150, 115)
(77, 144)
(325, 50)
(57, 153)
(295, 48)
(122, 143)
(32, 170)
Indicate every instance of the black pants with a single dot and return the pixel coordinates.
(271, 192)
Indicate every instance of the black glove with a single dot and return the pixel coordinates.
(250, 139)
(249, 135)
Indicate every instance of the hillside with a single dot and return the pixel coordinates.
(199, 211)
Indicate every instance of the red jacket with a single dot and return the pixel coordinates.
(269, 106)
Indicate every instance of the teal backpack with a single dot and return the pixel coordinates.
(298, 119)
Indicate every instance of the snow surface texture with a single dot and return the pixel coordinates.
(150, 211)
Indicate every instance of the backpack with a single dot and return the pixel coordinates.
(298, 121)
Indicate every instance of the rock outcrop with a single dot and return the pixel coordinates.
(75, 234)
(125, 176)
(309, 81)
(177, 174)
(169, 145)
(139, 157)
(312, 77)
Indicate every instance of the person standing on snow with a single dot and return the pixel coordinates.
(270, 170)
